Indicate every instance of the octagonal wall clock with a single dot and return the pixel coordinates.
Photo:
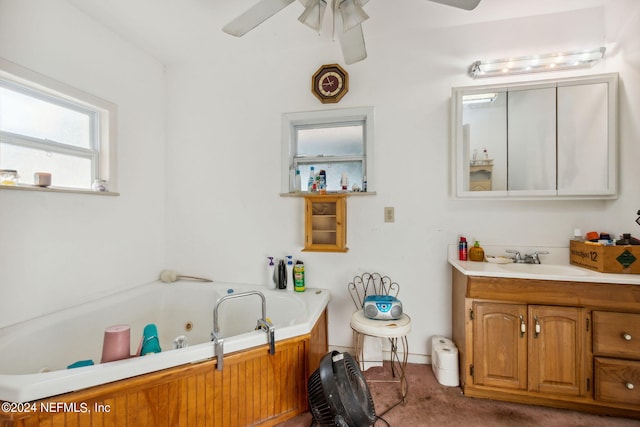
(330, 83)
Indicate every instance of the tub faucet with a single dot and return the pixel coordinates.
(263, 324)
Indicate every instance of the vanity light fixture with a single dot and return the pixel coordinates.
(585, 58)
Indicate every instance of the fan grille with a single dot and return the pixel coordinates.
(360, 388)
(320, 408)
(338, 393)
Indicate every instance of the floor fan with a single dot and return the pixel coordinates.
(339, 394)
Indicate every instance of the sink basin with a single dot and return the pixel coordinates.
(546, 269)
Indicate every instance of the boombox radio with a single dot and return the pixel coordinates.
(382, 307)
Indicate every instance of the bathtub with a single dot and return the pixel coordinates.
(34, 354)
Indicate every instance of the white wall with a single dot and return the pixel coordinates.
(62, 249)
(223, 111)
(225, 215)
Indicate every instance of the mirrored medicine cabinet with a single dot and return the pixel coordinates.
(549, 139)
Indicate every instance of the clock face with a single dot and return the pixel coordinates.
(330, 83)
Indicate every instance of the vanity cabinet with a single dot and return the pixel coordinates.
(616, 347)
(552, 343)
(541, 348)
(325, 223)
(480, 175)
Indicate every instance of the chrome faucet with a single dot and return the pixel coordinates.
(528, 258)
(263, 324)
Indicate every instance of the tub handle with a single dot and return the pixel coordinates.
(218, 344)
(267, 326)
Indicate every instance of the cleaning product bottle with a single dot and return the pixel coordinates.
(344, 181)
(289, 273)
(297, 182)
(476, 253)
(462, 249)
(298, 276)
(271, 269)
(323, 181)
(312, 179)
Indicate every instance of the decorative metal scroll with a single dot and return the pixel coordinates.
(371, 284)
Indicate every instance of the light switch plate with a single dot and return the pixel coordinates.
(389, 214)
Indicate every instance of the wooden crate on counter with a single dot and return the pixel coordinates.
(605, 259)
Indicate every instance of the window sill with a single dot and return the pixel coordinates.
(26, 187)
(329, 193)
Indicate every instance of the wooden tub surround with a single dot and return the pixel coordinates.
(565, 344)
(255, 388)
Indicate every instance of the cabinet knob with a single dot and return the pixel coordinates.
(629, 386)
(627, 337)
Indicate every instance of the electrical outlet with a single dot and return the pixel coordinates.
(389, 214)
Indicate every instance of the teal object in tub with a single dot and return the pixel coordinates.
(150, 342)
(80, 364)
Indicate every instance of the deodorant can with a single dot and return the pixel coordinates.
(462, 249)
(298, 276)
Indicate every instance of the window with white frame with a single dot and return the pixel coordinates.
(47, 126)
(340, 142)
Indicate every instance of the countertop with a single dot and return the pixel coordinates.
(558, 269)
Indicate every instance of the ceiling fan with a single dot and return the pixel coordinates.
(348, 16)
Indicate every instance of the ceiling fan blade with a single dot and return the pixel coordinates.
(313, 14)
(460, 4)
(351, 42)
(255, 16)
(352, 14)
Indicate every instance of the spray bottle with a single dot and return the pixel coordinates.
(298, 276)
(462, 249)
(289, 272)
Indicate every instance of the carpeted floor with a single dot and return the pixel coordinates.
(432, 404)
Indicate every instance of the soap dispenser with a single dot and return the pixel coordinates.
(271, 269)
(476, 253)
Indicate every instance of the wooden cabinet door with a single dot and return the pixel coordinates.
(325, 223)
(500, 345)
(556, 350)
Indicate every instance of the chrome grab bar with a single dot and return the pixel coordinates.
(263, 324)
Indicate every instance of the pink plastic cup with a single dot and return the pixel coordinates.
(117, 343)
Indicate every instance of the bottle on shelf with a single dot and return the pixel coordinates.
(322, 179)
(312, 180)
(297, 181)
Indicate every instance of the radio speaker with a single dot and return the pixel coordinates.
(382, 307)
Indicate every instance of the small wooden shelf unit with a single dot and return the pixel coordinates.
(325, 223)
